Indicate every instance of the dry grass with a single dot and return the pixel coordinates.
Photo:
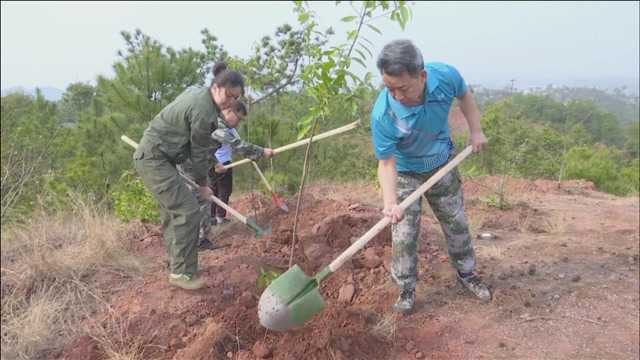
(386, 327)
(475, 220)
(49, 268)
(114, 339)
(29, 325)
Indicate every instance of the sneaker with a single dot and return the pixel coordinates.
(474, 284)
(187, 282)
(405, 302)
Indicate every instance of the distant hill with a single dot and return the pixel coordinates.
(624, 105)
(629, 86)
(49, 93)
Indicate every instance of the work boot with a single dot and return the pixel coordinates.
(405, 302)
(474, 284)
(187, 282)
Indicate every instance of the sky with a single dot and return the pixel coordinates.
(534, 43)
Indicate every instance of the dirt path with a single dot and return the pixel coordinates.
(563, 267)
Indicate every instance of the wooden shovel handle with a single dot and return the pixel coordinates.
(233, 212)
(264, 179)
(380, 225)
(296, 144)
(219, 202)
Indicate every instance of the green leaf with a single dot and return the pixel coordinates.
(363, 57)
(366, 49)
(266, 278)
(360, 62)
(330, 53)
(375, 28)
(328, 65)
(348, 18)
(339, 81)
(405, 16)
(368, 41)
(303, 17)
(304, 131)
(326, 78)
(368, 77)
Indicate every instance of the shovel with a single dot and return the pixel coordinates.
(293, 297)
(250, 222)
(279, 201)
(303, 142)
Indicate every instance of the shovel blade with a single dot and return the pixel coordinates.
(260, 232)
(290, 300)
(280, 202)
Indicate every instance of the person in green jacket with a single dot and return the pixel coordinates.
(226, 136)
(180, 132)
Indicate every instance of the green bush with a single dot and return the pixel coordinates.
(132, 200)
(602, 166)
(631, 175)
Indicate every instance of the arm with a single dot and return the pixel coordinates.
(384, 145)
(217, 166)
(387, 175)
(472, 114)
(254, 152)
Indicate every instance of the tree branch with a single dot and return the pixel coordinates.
(355, 39)
(288, 82)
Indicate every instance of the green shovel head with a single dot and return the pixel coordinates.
(290, 300)
(260, 232)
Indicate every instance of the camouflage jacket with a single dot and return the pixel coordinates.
(222, 136)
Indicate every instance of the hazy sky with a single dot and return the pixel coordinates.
(55, 43)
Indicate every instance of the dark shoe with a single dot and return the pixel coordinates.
(476, 286)
(205, 244)
(405, 302)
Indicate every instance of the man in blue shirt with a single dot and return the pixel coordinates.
(411, 136)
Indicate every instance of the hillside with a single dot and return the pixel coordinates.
(563, 266)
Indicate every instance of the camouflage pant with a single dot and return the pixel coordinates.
(446, 201)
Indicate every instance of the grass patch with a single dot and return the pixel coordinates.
(50, 268)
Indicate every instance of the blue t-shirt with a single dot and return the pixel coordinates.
(418, 136)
